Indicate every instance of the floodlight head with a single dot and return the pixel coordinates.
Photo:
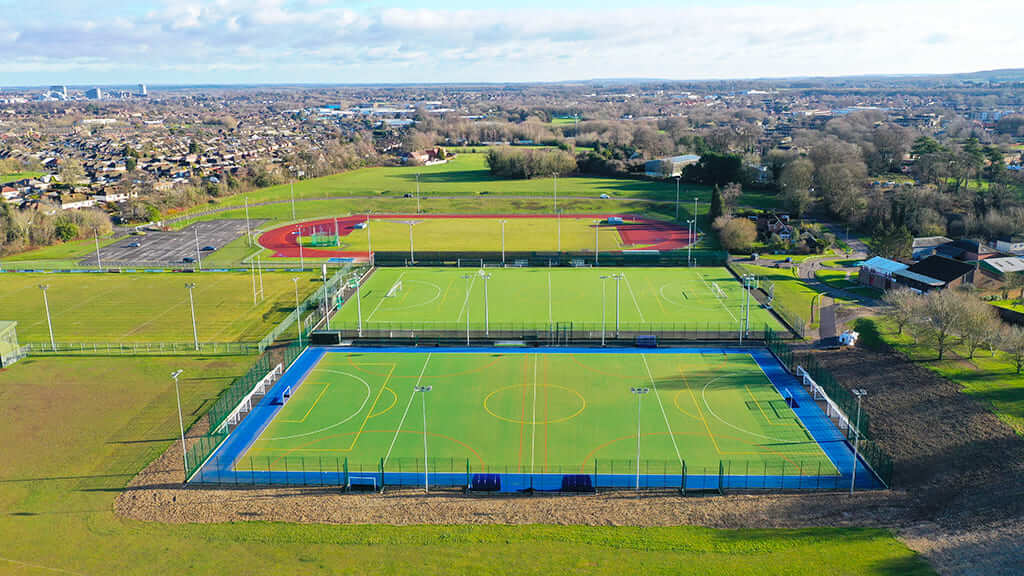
(859, 392)
(639, 390)
(43, 287)
(190, 285)
(176, 373)
(423, 388)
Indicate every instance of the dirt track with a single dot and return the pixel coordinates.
(959, 478)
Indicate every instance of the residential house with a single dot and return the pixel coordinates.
(925, 246)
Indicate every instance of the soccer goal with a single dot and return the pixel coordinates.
(395, 290)
(717, 290)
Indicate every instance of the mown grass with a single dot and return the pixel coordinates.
(993, 379)
(15, 176)
(83, 426)
(791, 294)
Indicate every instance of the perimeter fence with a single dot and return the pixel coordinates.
(466, 474)
(767, 288)
(879, 461)
(488, 259)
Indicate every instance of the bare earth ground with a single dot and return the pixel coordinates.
(958, 497)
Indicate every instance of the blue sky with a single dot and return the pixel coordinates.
(370, 41)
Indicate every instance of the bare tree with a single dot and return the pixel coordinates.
(978, 320)
(941, 315)
(905, 305)
(1013, 344)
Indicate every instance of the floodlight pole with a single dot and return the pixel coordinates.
(503, 242)
(677, 197)
(468, 278)
(99, 265)
(423, 391)
(259, 273)
(181, 423)
(558, 218)
(248, 232)
(639, 394)
(252, 271)
(604, 285)
(617, 278)
(192, 307)
(291, 185)
(199, 256)
(555, 174)
(487, 309)
(694, 215)
(689, 245)
(49, 325)
(298, 314)
(859, 393)
(359, 308)
(412, 252)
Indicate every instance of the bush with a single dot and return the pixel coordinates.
(735, 234)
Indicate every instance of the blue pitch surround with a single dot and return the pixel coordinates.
(220, 467)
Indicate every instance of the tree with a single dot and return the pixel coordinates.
(735, 234)
(892, 242)
(730, 193)
(925, 145)
(66, 231)
(1015, 280)
(942, 312)
(716, 169)
(71, 172)
(130, 163)
(795, 182)
(977, 323)
(904, 306)
(1013, 344)
(842, 188)
(716, 210)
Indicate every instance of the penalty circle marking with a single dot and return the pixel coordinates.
(583, 404)
(340, 422)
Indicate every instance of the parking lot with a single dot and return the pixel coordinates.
(161, 248)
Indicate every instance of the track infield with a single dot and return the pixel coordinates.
(530, 298)
(534, 413)
(474, 233)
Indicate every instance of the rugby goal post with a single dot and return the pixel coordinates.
(394, 290)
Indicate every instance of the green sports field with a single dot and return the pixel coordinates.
(480, 234)
(669, 298)
(148, 307)
(537, 413)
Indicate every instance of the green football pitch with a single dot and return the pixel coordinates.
(148, 307)
(439, 298)
(536, 413)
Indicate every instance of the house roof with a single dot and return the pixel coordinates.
(1009, 264)
(943, 269)
(930, 241)
(926, 280)
(883, 265)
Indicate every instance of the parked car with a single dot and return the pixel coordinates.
(407, 195)
(188, 259)
(134, 245)
(605, 196)
(207, 248)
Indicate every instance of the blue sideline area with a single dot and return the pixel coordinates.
(220, 467)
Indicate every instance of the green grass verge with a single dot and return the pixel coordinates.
(70, 252)
(991, 379)
(15, 176)
(791, 293)
(147, 307)
(85, 425)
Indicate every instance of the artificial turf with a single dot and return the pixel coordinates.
(531, 412)
(146, 307)
(668, 298)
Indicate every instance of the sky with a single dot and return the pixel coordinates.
(85, 42)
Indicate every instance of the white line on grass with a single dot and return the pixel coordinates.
(533, 441)
(465, 302)
(663, 414)
(38, 566)
(404, 414)
(635, 303)
(382, 298)
(734, 318)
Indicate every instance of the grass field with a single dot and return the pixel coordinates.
(148, 307)
(661, 297)
(539, 413)
(991, 379)
(15, 176)
(476, 234)
(85, 426)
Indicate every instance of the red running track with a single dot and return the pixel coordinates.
(652, 234)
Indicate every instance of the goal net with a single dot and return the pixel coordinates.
(717, 290)
(395, 289)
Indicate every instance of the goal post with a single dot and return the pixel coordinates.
(394, 290)
(717, 290)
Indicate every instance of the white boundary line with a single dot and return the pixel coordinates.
(533, 439)
(406, 413)
(465, 302)
(734, 319)
(381, 301)
(635, 303)
(663, 414)
(338, 423)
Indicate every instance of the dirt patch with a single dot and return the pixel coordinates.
(958, 497)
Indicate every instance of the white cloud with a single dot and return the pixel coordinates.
(311, 40)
